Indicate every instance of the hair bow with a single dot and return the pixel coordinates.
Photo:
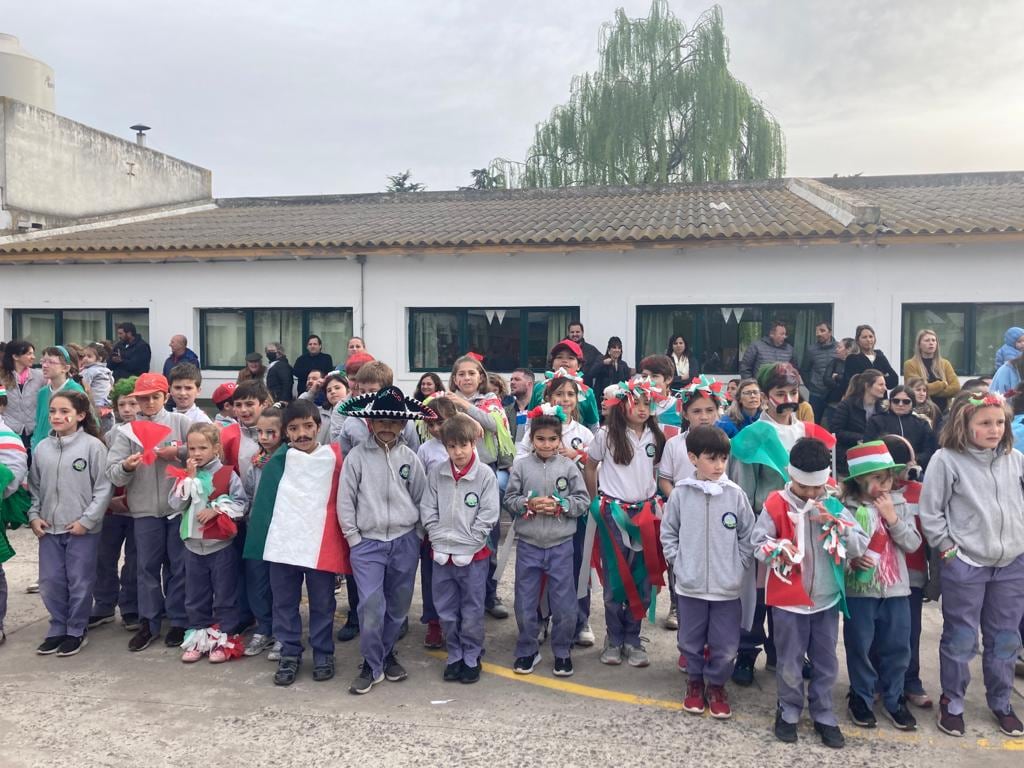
(703, 386)
(564, 373)
(547, 409)
(635, 388)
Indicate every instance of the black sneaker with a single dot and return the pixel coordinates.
(831, 736)
(807, 671)
(1009, 723)
(287, 669)
(72, 645)
(98, 621)
(902, 718)
(470, 674)
(860, 711)
(50, 645)
(142, 639)
(743, 674)
(323, 669)
(365, 680)
(524, 665)
(770, 661)
(498, 610)
(947, 721)
(563, 667)
(404, 629)
(785, 732)
(453, 672)
(394, 671)
(349, 631)
(175, 637)
(130, 621)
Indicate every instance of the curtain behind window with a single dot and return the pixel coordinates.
(82, 326)
(224, 334)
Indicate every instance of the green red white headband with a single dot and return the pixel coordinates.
(632, 390)
(987, 398)
(547, 409)
(703, 386)
(564, 373)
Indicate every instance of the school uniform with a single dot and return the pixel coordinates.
(42, 422)
(431, 453)
(257, 572)
(13, 471)
(195, 414)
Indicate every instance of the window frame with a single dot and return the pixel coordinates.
(462, 314)
(58, 320)
(970, 310)
(250, 328)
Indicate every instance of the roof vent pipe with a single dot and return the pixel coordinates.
(140, 133)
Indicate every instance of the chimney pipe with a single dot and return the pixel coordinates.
(140, 133)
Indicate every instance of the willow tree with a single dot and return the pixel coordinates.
(662, 107)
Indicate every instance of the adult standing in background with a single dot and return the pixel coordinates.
(279, 373)
(816, 361)
(591, 354)
(928, 364)
(23, 383)
(131, 355)
(868, 357)
(355, 344)
(609, 369)
(682, 358)
(849, 421)
(254, 369)
(314, 359)
(180, 353)
(520, 385)
(772, 348)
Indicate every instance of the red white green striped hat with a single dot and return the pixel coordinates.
(865, 458)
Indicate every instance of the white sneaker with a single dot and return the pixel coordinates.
(543, 629)
(585, 638)
(636, 656)
(32, 588)
(612, 654)
(274, 654)
(258, 644)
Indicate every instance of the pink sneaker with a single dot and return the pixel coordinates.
(217, 656)
(191, 656)
(682, 662)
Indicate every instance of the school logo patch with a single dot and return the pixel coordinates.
(729, 521)
(79, 465)
(650, 450)
(404, 471)
(471, 499)
(576, 442)
(562, 484)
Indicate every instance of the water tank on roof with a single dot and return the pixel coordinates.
(23, 77)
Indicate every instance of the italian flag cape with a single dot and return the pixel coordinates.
(294, 517)
(13, 509)
(759, 443)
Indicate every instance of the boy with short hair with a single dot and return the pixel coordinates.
(467, 492)
(248, 401)
(225, 408)
(705, 535)
(185, 382)
(378, 506)
(372, 377)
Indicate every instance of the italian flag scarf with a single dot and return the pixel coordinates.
(13, 509)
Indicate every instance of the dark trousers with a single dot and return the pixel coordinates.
(161, 552)
(261, 601)
(211, 589)
(112, 590)
(582, 603)
(716, 624)
(244, 610)
(286, 587)
(751, 641)
(459, 598)
(426, 583)
(881, 625)
(813, 635)
(534, 566)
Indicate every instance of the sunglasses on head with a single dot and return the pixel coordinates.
(901, 401)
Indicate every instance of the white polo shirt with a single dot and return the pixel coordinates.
(633, 482)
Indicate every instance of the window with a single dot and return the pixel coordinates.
(227, 335)
(969, 334)
(718, 336)
(46, 327)
(507, 337)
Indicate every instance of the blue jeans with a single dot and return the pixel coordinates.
(883, 623)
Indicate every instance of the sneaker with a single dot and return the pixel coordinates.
(287, 669)
(784, 732)
(743, 673)
(98, 621)
(274, 654)
(3, 637)
(141, 640)
(543, 630)
(498, 610)
(130, 621)
(770, 661)
(470, 674)
(672, 620)
(831, 736)
(435, 637)
(453, 672)
(32, 588)
(257, 644)
(191, 656)
(860, 711)
(323, 668)
(947, 721)
(612, 654)
(365, 680)
(807, 671)
(50, 645)
(394, 671)
(1009, 723)
(218, 656)
(902, 718)
(718, 702)
(72, 645)
(175, 637)
(404, 629)
(1019, 666)
(585, 638)
(636, 656)
(693, 702)
(920, 700)
(563, 667)
(349, 631)
(681, 664)
(524, 665)
(339, 583)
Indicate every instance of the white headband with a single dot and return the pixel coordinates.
(820, 477)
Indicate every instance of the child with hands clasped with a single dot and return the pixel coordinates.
(210, 498)
(878, 587)
(70, 493)
(972, 512)
(705, 535)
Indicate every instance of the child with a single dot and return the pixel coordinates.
(293, 526)
(14, 501)
(60, 366)
(98, 380)
(112, 590)
(706, 539)
(802, 536)
(568, 355)
(70, 493)
(222, 399)
(248, 401)
(209, 497)
(972, 512)
(140, 453)
(269, 429)
(335, 388)
(878, 587)
(378, 506)
(621, 464)
(662, 372)
(185, 382)
(458, 510)
(546, 496)
(373, 376)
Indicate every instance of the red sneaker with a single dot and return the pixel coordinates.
(694, 701)
(718, 702)
(434, 638)
(682, 663)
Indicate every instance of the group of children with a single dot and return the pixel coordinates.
(223, 524)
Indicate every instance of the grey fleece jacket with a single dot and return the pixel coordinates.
(68, 483)
(974, 500)
(706, 538)
(147, 487)
(379, 492)
(234, 507)
(904, 535)
(459, 514)
(557, 476)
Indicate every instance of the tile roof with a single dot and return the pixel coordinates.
(684, 214)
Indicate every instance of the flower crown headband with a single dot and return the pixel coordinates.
(637, 387)
(703, 386)
(564, 373)
(987, 398)
(547, 409)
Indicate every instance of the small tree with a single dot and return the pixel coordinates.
(483, 178)
(400, 183)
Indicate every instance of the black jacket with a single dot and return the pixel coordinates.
(305, 364)
(279, 380)
(134, 359)
(835, 380)
(858, 364)
(848, 422)
(600, 375)
(591, 355)
(915, 428)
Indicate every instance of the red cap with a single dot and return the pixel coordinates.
(223, 393)
(356, 361)
(569, 344)
(148, 383)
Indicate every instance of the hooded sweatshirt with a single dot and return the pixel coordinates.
(974, 500)
(379, 492)
(459, 514)
(147, 486)
(558, 476)
(68, 483)
(1008, 351)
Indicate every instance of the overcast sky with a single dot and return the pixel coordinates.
(325, 96)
